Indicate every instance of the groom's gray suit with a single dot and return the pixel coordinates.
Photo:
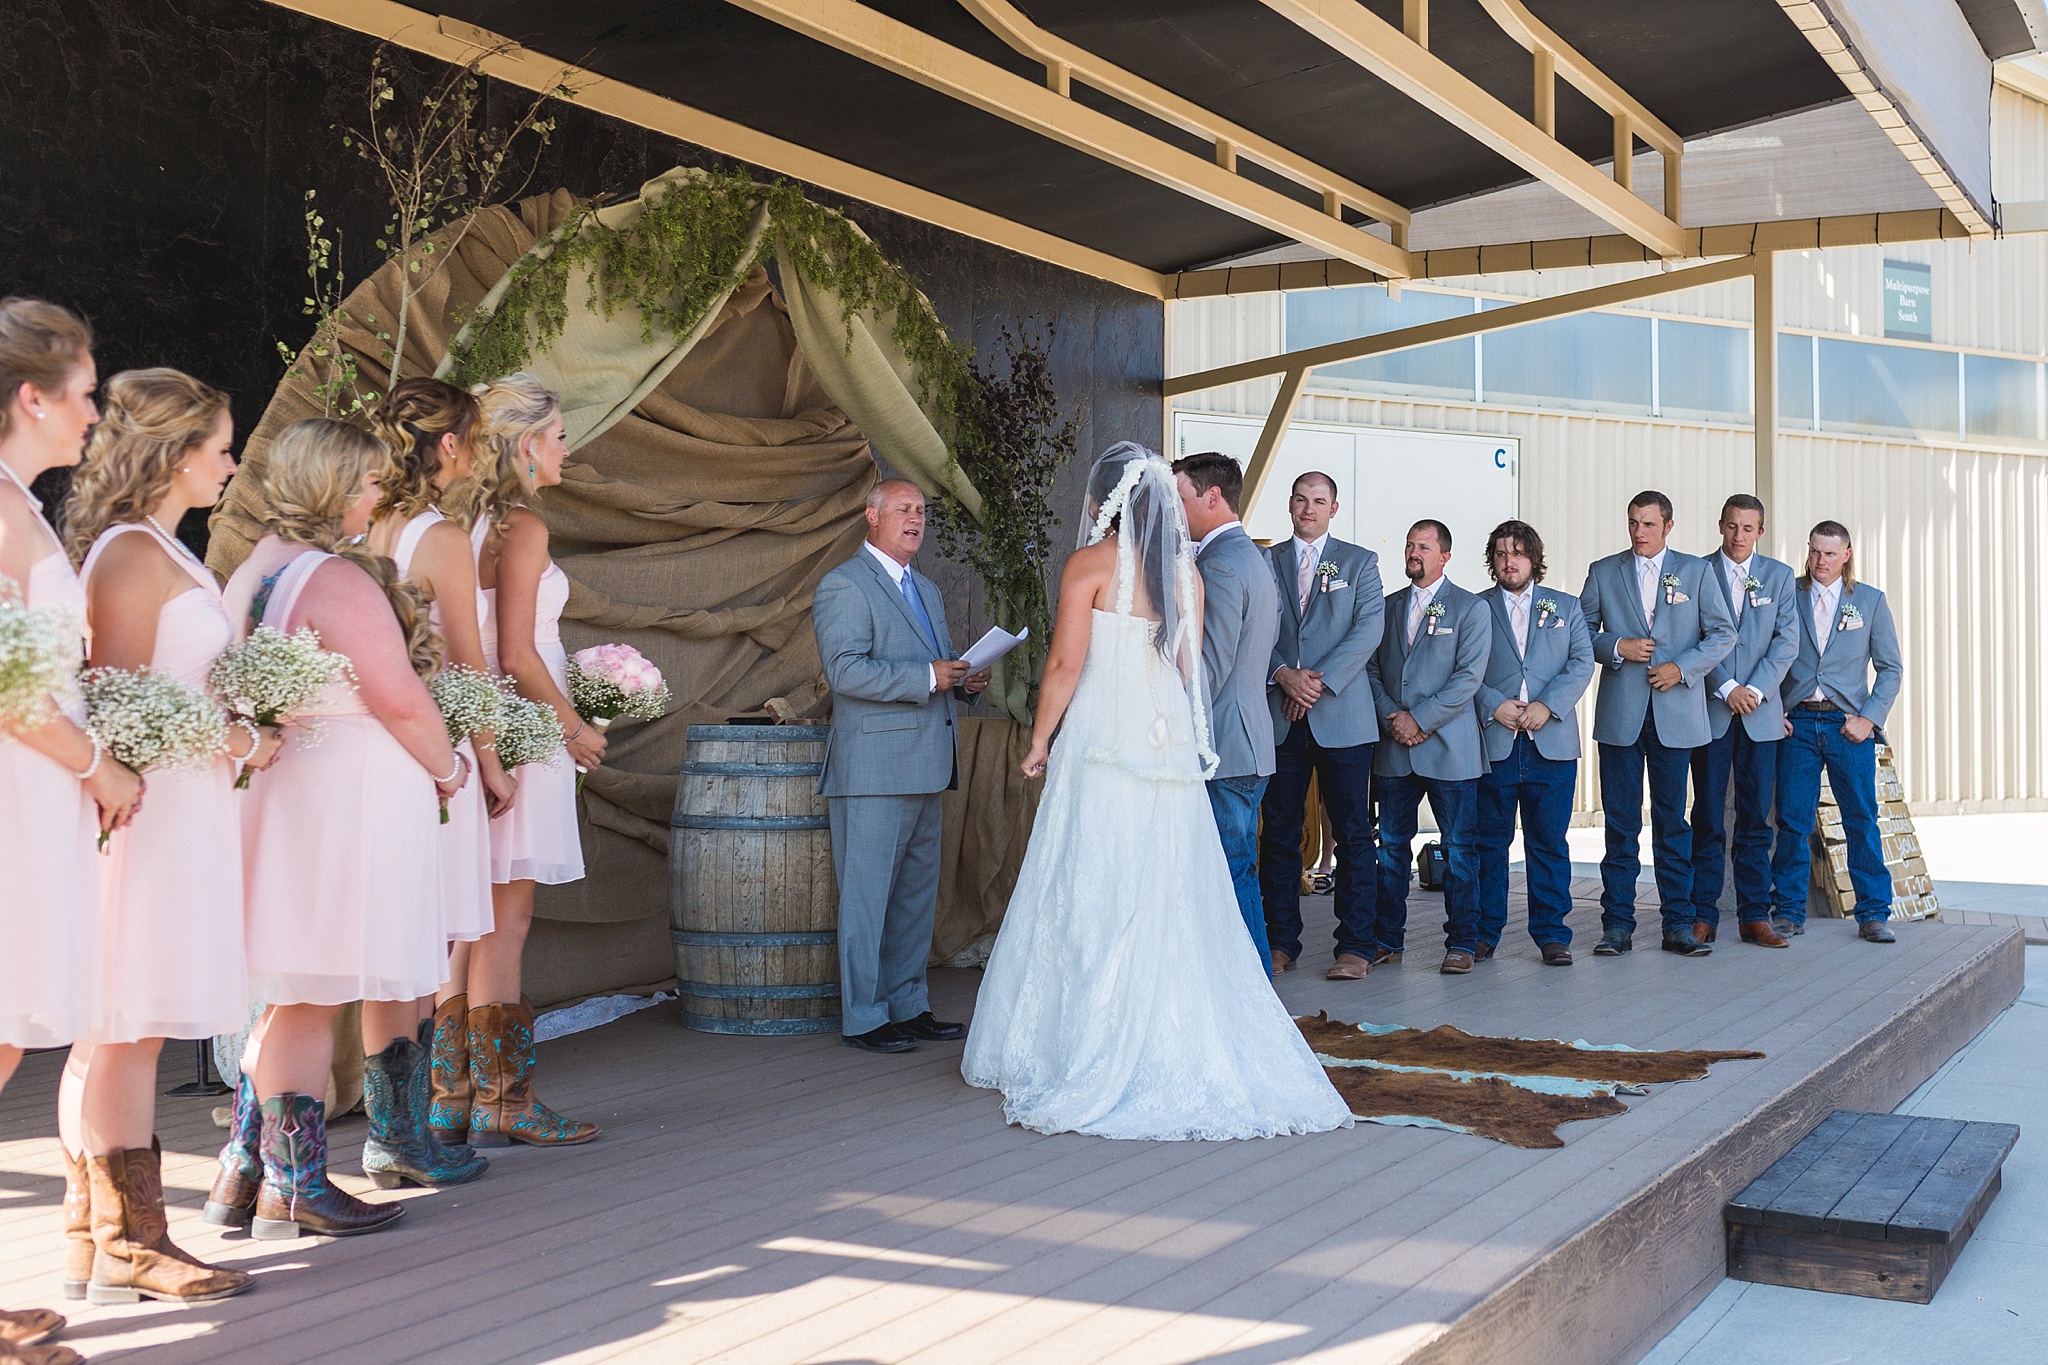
(891, 752)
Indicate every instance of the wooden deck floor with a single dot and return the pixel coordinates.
(776, 1201)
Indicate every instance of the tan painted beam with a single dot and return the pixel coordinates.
(1014, 27)
(1380, 48)
(1832, 44)
(1278, 418)
(1450, 329)
(1589, 80)
(453, 41)
(1763, 312)
(915, 55)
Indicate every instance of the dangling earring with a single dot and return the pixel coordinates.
(529, 469)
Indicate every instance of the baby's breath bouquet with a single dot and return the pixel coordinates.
(470, 701)
(38, 659)
(150, 720)
(271, 675)
(528, 732)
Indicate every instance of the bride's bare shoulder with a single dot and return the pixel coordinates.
(1090, 563)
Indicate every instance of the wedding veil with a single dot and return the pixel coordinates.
(1132, 493)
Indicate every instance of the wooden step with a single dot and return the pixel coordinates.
(1872, 1204)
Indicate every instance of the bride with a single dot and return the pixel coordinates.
(1124, 997)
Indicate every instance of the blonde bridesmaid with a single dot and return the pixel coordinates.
(483, 1041)
(170, 961)
(58, 786)
(340, 839)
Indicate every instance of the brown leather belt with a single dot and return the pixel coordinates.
(1819, 706)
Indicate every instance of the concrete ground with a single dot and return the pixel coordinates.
(1991, 1310)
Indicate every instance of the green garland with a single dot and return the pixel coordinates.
(686, 249)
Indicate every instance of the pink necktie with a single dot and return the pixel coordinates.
(1520, 607)
(1303, 577)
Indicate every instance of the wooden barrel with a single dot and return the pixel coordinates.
(753, 907)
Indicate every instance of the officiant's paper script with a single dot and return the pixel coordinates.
(993, 646)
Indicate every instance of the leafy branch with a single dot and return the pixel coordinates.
(327, 282)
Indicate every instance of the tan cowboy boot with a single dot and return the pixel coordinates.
(501, 1062)
(448, 1110)
(77, 1227)
(11, 1354)
(27, 1327)
(133, 1255)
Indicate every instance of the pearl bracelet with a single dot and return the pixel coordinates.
(453, 772)
(99, 753)
(248, 727)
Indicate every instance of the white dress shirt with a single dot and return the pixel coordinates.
(1737, 575)
(1825, 596)
(1519, 605)
(1419, 599)
(1214, 532)
(896, 572)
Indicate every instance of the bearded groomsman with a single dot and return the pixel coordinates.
(1539, 665)
(1838, 692)
(1659, 627)
(1424, 676)
(1323, 712)
(1748, 720)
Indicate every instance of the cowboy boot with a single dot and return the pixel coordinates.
(134, 1257)
(398, 1150)
(501, 1062)
(77, 1228)
(233, 1200)
(13, 1354)
(448, 1115)
(27, 1327)
(297, 1195)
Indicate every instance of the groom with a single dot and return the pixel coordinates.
(1240, 623)
(882, 638)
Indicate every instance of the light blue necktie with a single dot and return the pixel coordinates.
(916, 600)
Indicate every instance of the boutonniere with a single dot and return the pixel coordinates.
(1852, 619)
(1327, 573)
(1545, 609)
(1434, 613)
(1672, 595)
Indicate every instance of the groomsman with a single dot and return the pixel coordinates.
(1748, 721)
(1424, 676)
(1240, 621)
(1323, 711)
(1539, 665)
(1839, 690)
(1659, 627)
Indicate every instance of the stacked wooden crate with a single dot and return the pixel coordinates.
(1912, 887)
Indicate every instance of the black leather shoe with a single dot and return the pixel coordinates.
(1613, 944)
(1877, 932)
(887, 1038)
(929, 1029)
(1556, 955)
(1787, 928)
(1484, 952)
(1684, 944)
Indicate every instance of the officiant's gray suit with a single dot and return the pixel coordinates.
(892, 750)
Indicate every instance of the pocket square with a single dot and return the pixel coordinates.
(1851, 624)
(1756, 601)
(1340, 583)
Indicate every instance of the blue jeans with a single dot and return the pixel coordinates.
(1754, 768)
(1817, 742)
(1455, 805)
(1621, 791)
(1235, 800)
(1541, 789)
(1346, 788)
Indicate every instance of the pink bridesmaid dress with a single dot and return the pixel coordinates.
(48, 826)
(466, 839)
(171, 960)
(340, 843)
(537, 840)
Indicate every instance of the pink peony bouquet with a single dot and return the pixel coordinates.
(610, 681)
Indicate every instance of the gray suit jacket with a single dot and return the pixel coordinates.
(1337, 636)
(1766, 641)
(1435, 683)
(891, 734)
(1695, 634)
(1558, 669)
(1843, 673)
(1240, 621)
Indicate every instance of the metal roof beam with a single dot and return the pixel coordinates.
(1407, 66)
(915, 55)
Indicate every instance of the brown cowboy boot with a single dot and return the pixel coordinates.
(501, 1062)
(11, 1354)
(448, 1111)
(27, 1327)
(77, 1227)
(297, 1195)
(134, 1257)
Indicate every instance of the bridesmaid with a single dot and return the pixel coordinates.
(171, 962)
(428, 429)
(487, 1038)
(340, 840)
(58, 786)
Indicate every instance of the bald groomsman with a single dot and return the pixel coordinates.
(1837, 693)
(1748, 720)
(1323, 714)
(1659, 627)
(1432, 655)
(1539, 666)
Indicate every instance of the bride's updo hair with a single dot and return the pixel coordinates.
(315, 475)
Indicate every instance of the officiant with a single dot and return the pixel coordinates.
(894, 747)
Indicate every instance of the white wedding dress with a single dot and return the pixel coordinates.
(1123, 997)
